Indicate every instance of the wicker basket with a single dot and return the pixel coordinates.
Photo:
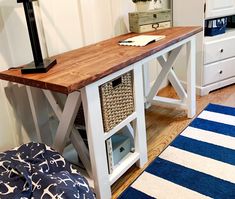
(117, 101)
(80, 118)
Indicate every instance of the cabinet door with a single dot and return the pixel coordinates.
(219, 8)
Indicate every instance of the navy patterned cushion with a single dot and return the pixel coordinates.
(35, 170)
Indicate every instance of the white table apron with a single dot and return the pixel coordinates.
(95, 160)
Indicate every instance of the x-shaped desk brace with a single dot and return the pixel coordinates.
(187, 100)
(66, 117)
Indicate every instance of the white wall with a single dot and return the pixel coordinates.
(190, 15)
(63, 25)
(16, 124)
(4, 47)
(71, 23)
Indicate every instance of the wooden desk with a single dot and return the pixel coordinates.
(79, 74)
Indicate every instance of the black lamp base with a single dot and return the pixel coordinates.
(43, 68)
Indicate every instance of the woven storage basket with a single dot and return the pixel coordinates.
(80, 119)
(117, 101)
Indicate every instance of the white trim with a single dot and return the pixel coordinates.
(205, 90)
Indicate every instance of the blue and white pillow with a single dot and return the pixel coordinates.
(35, 171)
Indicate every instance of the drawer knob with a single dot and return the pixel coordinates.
(221, 72)
(154, 15)
(221, 50)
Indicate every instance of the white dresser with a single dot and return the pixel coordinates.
(216, 54)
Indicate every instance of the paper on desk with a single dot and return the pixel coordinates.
(141, 40)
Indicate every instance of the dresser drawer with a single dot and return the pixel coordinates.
(219, 49)
(219, 8)
(218, 71)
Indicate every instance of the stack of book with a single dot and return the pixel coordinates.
(118, 146)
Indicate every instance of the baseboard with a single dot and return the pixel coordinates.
(205, 90)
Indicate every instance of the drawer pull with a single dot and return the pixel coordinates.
(221, 72)
(222, 50)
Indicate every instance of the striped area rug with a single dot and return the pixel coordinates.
(199, 163)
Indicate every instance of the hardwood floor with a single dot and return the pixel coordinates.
(164, 124)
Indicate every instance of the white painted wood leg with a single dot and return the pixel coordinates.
(191, 71)
(139, 123)
(40, 117)
(33, 110)
(70, 110)
(146, 82)
(96, 142)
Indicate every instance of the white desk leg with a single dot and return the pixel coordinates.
(139, 124)
(40, 116)
(95, 135)
(191, 73)
(146, 82)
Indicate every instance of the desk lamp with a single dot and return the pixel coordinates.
(39, 65)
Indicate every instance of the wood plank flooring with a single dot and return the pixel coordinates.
(164, 124)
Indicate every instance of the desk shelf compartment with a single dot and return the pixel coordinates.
(132, 122)
(117, 101)
(119, 146)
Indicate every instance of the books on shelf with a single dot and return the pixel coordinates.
(141, 40)
(109, 150)
(117, 146)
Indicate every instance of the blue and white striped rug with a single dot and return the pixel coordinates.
(199, 163)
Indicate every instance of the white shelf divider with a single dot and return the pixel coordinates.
(125, 122)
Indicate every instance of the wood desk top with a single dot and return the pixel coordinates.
(78, 68)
